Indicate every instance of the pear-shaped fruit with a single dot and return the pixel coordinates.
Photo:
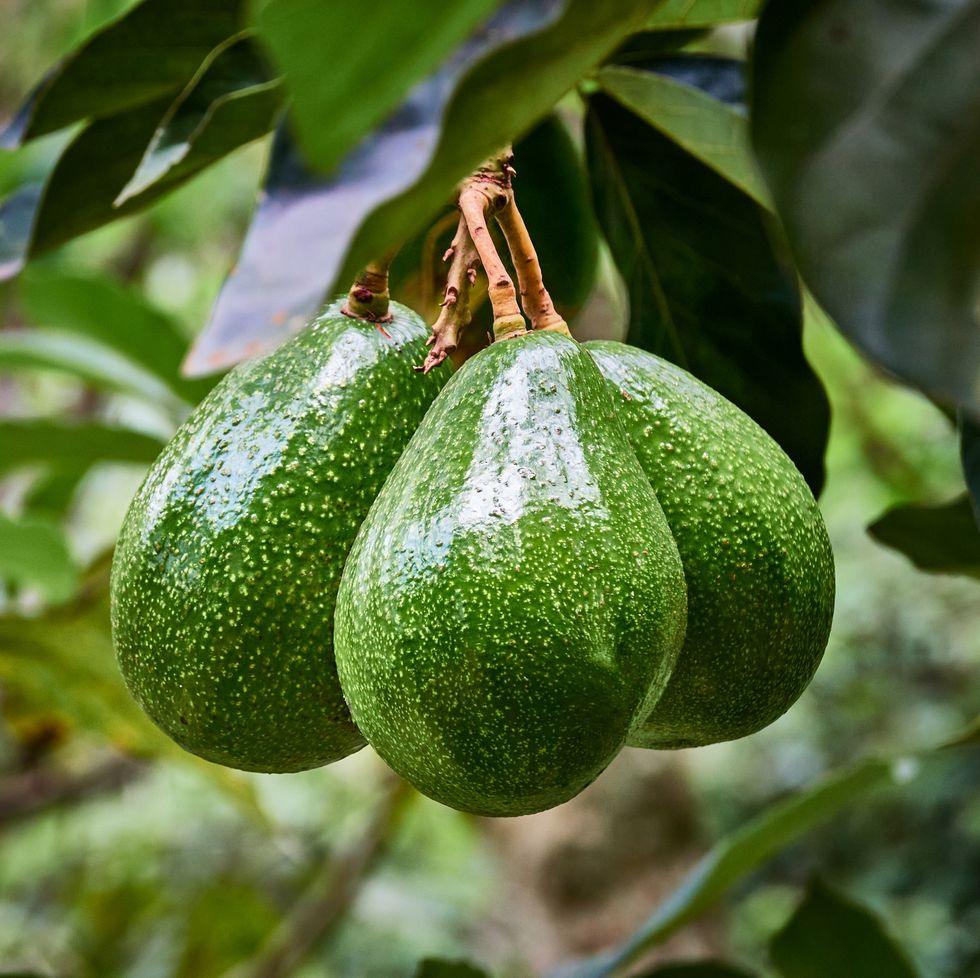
(758, 564)
(514, 602)
(227, 566)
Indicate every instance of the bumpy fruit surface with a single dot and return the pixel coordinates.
(758, 564)
(514, 602)
(227, 567)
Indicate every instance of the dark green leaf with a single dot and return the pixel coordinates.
(349, 66)
(705, 287)
(867, 124)
(943, 539)
(640, 49)
(507, 76)
(713, 132)
(696, 969)
(230, 102)
(673, 14)
(553, 195)
(440, 968)
(63, 443)
(17, 213)
(830, 934)
(119, 317)
(82, 358)
(34, 551)
(149, 52)
(52, 493)
(970, 456)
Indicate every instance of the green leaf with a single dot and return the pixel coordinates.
(82, 358)
(707, 128)
(696, 969)
(867, 125)
(402, 174)
(674, 14)
(34, 551)
(230, 102)
(440, 968)
(119, 317)
(941, 539)
(970, 457)
(830, 934)
(149, 52)
(63, 443)
(52, 493)
(17, 212)
(348, 64)
(705, 287)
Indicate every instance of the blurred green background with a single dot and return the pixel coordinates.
(120, 856)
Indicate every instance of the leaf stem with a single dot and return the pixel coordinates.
(369, 297)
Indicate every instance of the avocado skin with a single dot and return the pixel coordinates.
(758, 563)
(226, 570)
(514, 602)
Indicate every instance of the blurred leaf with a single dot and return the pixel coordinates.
(553, 196)
(710, 130)
(17, 213)
(24, 442)
(120, 317)
(51, 494)
(674, 14)
(355, 83)
(507, 75)
(942, 539)
(644, 47)
(230, 102)
(696, 969)
(34, 551)
(82, 358)
(830, 934)
(970, 457)
(440, 968)
(150, 51)
(867, 125)
(705, 288)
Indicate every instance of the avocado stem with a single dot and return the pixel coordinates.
(456, 311)
(486, 191)
(534, 296)
(369, 297)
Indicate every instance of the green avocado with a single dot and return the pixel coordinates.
(514, 602)
(758, 563)
(226, 570)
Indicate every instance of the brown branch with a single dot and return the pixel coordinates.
(456, 312)
(486, 192)
(329, 896)
(369, 297)
(534, 296)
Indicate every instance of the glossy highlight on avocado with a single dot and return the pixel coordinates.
(757, 560)
(226, 570)
(514, 602)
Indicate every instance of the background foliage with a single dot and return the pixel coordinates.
(169, 136)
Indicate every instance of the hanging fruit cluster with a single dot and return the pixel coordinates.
(498, 579)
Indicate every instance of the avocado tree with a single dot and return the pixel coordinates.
(541, 482)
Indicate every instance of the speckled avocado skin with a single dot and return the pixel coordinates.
(514, 602)
(226, 570)
(758, 563)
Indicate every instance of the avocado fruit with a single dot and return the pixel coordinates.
(227, 566)
(514, 602)
(757, 559)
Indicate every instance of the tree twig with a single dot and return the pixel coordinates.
(329, 896)
(456, 313)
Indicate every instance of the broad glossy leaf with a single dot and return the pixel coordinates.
(831, 934)
(149, 52)
(441, 968)
(119, 317)
(347, 66)
(674, 14)
(942, 539)
(34, 552)
(694, 117)
(867, 125)
(696, 969)
(230, 102)
(508, 76)
(67, 443)
(705, 287)
(85, 359)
